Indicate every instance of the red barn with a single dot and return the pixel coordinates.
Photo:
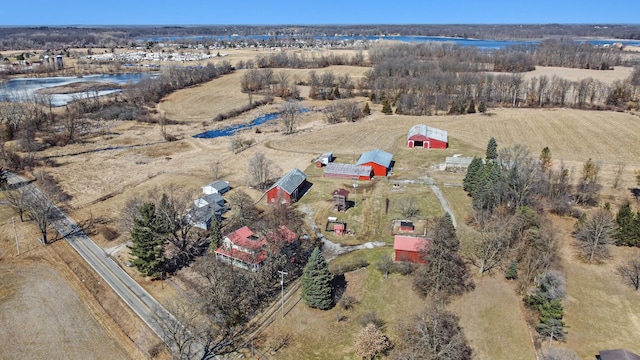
(379, 160)
(407, 248)
(289, 188)
(423, 136)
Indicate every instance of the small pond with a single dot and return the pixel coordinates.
(25, 88)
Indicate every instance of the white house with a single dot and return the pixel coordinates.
(216, 187)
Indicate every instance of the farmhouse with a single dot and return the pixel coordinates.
(210, 199)
(242, 248)
(246, 250)
(202, 216)
(216, 187)
(407, 248)
(423, 136)
(348, 171)
(288, 188)
(379, 160)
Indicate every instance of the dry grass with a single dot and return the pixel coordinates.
(600, 310)
(318, 335)
(605, 76)
(493, 322)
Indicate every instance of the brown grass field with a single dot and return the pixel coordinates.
(605, 76)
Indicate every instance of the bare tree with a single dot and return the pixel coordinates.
(408, 208)
(371, 342)
(289, 113)
(620, 165)
(243, 211)
(630, 273)
(260, 170)
(594, 234)
(488, 246)
(41, 210)
(16, 197)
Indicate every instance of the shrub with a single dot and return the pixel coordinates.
(371, 318)
(347, 301)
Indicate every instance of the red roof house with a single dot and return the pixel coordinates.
(242, 248)
(408, 248)
(423, 136)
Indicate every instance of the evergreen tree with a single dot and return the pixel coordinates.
(215, 234)
(545, 159)
(471, 109)
(487, 194)
(512, 271)
(148, 238)
(626, 234)
(445, 273)
(367, 110)
(482, 107)
(3, 178)
(336, 93)
(475, 173)
(316, 282)
(492, 149)
(386, 108)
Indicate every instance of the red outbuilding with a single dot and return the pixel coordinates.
(289, 188)
(423, 136)
(379, 160)
(408, 248)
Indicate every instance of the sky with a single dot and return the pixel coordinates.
(300, 12)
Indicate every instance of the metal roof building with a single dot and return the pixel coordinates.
(288, 187)
(378, 159)
(423, 136)
(348, 171)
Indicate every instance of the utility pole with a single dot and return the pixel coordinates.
(355, 194)
(13, 221)
(282, 274)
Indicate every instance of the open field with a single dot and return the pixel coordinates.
(605, 76)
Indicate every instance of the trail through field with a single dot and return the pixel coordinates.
(331, 250)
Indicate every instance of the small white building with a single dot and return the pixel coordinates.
(216, 187)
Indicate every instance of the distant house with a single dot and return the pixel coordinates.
(288, 188)
(216, 187)
(423, 136)
(408, 248)
(379, 160)
(348, 171)
(617, 354)
(246, 250)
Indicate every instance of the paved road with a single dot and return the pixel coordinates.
(136, 297)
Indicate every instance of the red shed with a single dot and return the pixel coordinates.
(423, 136)
(288, 189)
(407, 248)
(379, 160)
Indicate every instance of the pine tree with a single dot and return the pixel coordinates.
(475, 173)
(445, 273)
(3, 178)
(482, 107)
(367, 110)
(148, 238)
(492, 149)
(386, 108)
(545, 159)
(472, 107)
(316, 282)
(215, 234)
(624, 219)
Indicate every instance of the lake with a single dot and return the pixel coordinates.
(479, 43)
(20, 88)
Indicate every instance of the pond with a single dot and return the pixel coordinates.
(232, 129)
(25, 88)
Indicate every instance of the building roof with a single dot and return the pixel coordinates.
(458, 161)
(409, 243)
(210, 200)
(429, 132)
(219, 185)
(290, 181)
(283, 233)
(242, 256)
(617, 354)
(245, 238)
(347, 169)
(342, 192)
(377, 156)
